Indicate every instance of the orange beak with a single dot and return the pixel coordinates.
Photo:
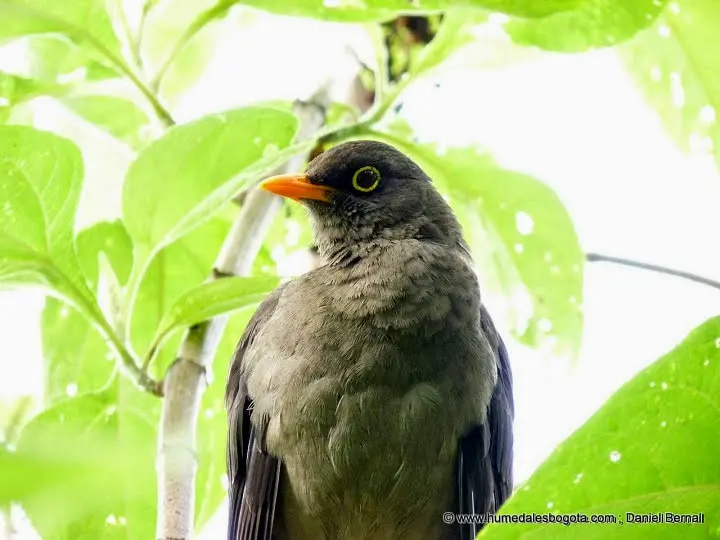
(296, 187)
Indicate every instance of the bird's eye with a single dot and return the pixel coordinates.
(366, 179)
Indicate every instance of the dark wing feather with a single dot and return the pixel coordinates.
(485, 453)
(253, 474)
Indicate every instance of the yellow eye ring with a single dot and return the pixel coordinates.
(366, 189)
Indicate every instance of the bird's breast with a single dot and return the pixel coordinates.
(368, 381)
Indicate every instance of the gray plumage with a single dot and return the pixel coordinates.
(372, 394)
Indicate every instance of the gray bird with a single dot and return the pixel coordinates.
(370, 396)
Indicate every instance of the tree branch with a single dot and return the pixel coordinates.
(185, 381)
(597, 257)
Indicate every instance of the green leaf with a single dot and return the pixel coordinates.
(54, 67)
(86, 20)
(172, 186)
(15, 90)
(595, 23)
(90, 460)
(176, 269)
(109, 239)
(651, 448)
(382, 10)
(166, 23)
(521, 234)
(120, 117)
(453, 34)
(77, 357)
(211, 299)
(176, 62)
(40, 181)
(674, 64)
(55, 59)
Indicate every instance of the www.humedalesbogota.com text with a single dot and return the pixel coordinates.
(571, 519)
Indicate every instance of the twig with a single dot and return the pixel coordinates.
(597, 257)
(185, 380)
(137, 43)
(162, 114)
(202, 20)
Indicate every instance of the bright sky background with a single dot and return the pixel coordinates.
(575, 121)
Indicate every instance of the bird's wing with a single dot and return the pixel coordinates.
(253, 474)
(484, 463)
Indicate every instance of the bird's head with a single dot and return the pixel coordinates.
(365, 193)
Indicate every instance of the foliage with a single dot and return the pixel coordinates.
(651, 448)
(670, 63)
(535, 248)
(594, 23)
(120, 290)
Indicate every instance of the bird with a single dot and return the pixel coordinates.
(371, 397)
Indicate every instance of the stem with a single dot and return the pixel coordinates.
(126, 360)
(161, 112)
(185, 381)
(128, 363)
(190, 32)
(597, 257)
(382, 81)
(131, 41)
(71, 29)
(137, 42)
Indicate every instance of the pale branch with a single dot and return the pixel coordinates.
(185, 380)
(597, 257)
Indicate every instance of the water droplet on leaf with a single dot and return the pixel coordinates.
(524, 223)
(270, 149)
(707, 114)
(677, 91)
